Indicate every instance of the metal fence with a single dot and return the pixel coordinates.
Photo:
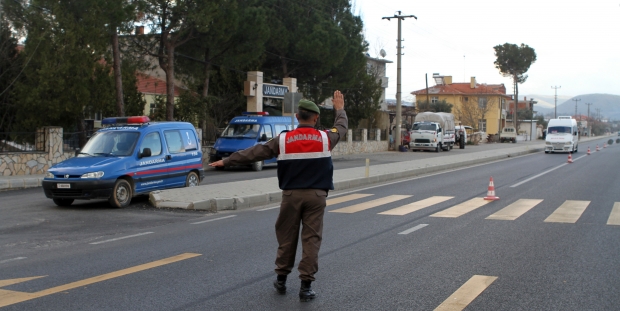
(357, 135)
(384, 135)
(71, 141)
(22, 141)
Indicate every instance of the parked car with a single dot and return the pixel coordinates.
(508, 134)
(130, 156)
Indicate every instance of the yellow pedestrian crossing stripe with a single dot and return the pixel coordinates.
(569, 212)
(370, 204)
(415, 206)
(614, 217)
(463, 296)
(514, 210)
(462, 209)
(346, 198)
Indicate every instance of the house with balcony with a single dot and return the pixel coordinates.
(479, 105)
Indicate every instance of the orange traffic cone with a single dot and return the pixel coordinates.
(491, 192)
(570, 158)
(605, 145)
(588, 150)
(597, 149)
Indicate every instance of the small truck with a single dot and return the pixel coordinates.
(508, 134)
(433, 131)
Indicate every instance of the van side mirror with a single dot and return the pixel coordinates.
(145, 153)
(263, 137)
(77, 151)
(439, 130)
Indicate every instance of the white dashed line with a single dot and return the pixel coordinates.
(418, 227)
(202, 222)
(121, 238)
(12, 259)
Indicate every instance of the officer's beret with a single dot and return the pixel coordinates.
(308, 105)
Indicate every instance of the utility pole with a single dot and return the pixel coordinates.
(588, 120)
(397, 137)
(576, 100)
(555, 115)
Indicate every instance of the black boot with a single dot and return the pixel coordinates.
(280, 284)
(305, 292)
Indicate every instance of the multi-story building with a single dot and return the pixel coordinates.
(481, 106)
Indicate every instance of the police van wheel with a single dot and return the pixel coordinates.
(63, 202)
(257, 166)
(192, 180)
(121, 194)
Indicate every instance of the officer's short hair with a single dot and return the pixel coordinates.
(305, 115)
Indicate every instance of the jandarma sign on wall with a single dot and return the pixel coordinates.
(270, 90)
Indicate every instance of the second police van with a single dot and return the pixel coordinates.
(248, 130)
(130, 156)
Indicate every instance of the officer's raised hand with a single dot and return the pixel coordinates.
(338, 101)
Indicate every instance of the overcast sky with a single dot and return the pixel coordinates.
(577, 42)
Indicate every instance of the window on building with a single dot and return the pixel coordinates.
(482, 102)
(503, 103)
(434, 99)
(465, 99)
(482, 125)
(152, 109)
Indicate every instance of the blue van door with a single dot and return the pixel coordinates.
(151, 172)
(184, 155)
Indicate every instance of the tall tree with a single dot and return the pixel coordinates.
(514, 61)
(234, 40)
(65, 45)
(10, 67)
(172, 24)
(119, 15)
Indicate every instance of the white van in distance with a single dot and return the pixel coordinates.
(562, 135)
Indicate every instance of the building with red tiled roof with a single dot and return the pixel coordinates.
(482, 106)
(151, 87)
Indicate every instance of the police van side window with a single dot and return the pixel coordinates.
(152, 141)
(280, 128)
(267, 131)
(174, 141)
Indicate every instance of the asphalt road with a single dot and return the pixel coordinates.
(368, 261)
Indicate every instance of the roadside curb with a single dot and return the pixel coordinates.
(20, 183)
(244, 202)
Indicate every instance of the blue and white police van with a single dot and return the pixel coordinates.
(250, 129)
(129, 156)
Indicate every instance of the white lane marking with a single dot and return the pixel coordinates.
(536, 176)
(214, 219)
(418, 227)
(122, 238)
(268, 208)
(12, 259)
(614, 217)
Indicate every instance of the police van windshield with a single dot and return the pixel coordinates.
(424, 127)
(241, 130)
(559, 130)
(113, 143)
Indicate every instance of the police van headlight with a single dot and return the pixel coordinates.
(93, 175)
(49, 175)
(547, 143)
(568, 143)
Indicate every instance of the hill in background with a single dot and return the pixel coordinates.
(608, 105)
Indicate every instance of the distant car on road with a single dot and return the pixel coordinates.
(508, 134)
(131, 156)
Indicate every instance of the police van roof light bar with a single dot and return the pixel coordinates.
(125, 120)
(261, 113)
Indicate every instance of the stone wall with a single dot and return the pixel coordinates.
(35, 162)
(342, 148)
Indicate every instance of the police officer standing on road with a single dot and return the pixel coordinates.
(305, 175)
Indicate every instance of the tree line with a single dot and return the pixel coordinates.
(81, 57)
